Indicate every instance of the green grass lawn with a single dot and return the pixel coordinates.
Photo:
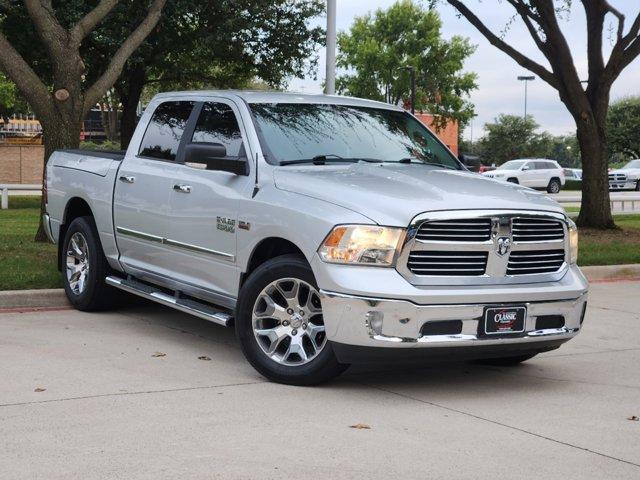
(26, 264)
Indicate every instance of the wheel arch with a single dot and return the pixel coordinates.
(267, 249)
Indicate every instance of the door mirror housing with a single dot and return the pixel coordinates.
(213, 156)
(526, 167)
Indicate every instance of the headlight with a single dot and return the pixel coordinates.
(573, 242)
(362, 245)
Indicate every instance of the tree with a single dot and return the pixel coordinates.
(379, 46)
(623, 128)
(589, 104)
(61, 113)
(510, 137)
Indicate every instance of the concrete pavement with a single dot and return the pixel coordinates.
(110, 409)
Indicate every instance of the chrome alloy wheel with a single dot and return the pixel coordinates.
(77, 263)
(287, 322)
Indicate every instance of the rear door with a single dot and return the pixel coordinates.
(204, 205)
(143, 191)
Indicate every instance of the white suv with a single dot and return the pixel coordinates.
(534, 173)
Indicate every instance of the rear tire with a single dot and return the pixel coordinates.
(554, 186)
(84, 267)
(506, 361)
(280, 327)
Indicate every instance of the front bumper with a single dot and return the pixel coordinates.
(348, 316)
(622, 185)
(46, 224)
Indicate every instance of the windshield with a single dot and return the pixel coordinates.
(633, 164)
(512, 165)
(296, 133)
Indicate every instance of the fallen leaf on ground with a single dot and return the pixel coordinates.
(39, 389)
(204, 358)
(360, 426)
(634, 418)
(159, 354)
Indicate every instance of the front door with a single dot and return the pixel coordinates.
(203, 218)
(144, 189)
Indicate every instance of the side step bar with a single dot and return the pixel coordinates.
(193, 307)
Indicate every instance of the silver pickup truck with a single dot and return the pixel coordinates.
(326, 230)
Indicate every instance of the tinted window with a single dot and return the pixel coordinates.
(217, 124)
(542, 165)
(165, 130)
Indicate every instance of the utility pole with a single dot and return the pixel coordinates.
(526, 79)
(330, 83)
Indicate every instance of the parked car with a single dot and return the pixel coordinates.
(626, 178)
(326, 230)
(471, 161)
(534, 173)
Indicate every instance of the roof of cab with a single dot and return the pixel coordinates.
(257, 96)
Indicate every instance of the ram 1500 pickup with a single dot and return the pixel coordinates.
(327, 230)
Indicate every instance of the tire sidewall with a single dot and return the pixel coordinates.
(321, 368)
(86, 227)
(554, 183)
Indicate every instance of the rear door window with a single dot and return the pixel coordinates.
(165, 129)
(218, 124)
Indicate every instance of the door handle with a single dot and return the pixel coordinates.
(182, 188)
(127, 179)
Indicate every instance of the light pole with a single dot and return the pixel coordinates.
(330, 84)
(526, 79)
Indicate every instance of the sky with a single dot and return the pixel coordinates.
(499, 91)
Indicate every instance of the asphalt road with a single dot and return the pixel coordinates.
(111, 409)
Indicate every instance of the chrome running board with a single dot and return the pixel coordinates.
(192, 307)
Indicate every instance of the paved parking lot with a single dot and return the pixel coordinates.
(111, 409)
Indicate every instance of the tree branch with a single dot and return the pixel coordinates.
(47, 26)
(87, 23)
(29, 84)
(522, 60)
(527, 17)
(110, 75)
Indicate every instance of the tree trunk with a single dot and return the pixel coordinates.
(130, 94)
(595, 211)
(59, 132)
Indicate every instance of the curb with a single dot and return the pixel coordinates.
(595, 273)
(55, 297)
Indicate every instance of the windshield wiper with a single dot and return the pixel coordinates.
(324, 159)
(422, 162)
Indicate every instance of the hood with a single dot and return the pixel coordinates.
(392, 194)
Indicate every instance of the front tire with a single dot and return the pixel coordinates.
(513, 180)
(84, 267)
(554, 186)
(638, 186)
(280, 326)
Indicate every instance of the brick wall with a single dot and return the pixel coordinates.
(448, 134)
(21, 163)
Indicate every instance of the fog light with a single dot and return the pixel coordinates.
(374, 321)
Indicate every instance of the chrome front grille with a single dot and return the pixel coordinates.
(463, 230)
(476, 247)
(617, 177)
(527, 262)
(425, 262)
(531, 229)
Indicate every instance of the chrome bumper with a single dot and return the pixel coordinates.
(349, 320)
(46, 224)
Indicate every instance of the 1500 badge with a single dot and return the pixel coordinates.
(226, 224)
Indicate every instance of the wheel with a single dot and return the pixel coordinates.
(280, 326)
(506, 361)
(638, 186)
(513, 180)
(84, 267)
(554, 186)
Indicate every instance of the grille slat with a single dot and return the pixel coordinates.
(447, 263)
(535, 261)
(536, 230)
(464, 230)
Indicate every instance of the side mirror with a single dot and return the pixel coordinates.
(526, 167)
(213, 156)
